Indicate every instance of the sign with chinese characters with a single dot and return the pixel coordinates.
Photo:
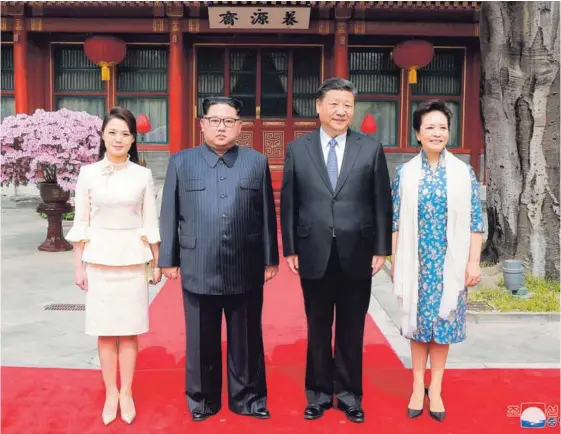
(272, 18)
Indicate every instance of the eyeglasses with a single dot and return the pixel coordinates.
(228, 122)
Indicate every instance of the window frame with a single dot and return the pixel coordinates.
(372, 97)
(459, 99)
(9, 93)
(133, 94)
(56, 94)
(258, 88)
(406, 97)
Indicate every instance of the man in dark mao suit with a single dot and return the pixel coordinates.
(336, 215)
(218, 225)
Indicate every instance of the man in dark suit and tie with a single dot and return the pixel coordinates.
(218, 227)
(336, 214)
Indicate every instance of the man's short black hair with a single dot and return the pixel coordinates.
(213, 100)
(335, 83)
(434, 105)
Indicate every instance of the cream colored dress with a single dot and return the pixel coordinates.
(116, 216)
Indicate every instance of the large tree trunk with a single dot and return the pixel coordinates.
(520, 110)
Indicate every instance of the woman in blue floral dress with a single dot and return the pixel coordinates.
(433, 334)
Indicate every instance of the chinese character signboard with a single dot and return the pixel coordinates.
(274, 18)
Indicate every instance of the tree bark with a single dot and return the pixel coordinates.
(520, 111)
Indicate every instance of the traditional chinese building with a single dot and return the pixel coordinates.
(270, 55)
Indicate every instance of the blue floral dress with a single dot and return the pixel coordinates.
(433, 216)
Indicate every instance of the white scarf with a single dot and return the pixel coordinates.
(458, 236)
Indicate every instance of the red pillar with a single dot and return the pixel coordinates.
(20, 66)
(176, 88)
(342, 50)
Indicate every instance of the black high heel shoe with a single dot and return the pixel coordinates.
(436, 415)
(412, 413)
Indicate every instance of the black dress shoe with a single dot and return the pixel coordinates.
(355, 414)
(413, 413)
(261, 413)
(313, 411)
(199, 417)
(436, 415)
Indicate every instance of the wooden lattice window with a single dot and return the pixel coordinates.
(77, 81)
(377, 80)
(442, 79)
(7, 101)
(281, 82)
(142, 87)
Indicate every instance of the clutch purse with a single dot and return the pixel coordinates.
(148, 272)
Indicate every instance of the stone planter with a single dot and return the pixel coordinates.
(55, 204)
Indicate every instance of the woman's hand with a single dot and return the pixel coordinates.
(156, 275)
(81, 277)
(473, 274)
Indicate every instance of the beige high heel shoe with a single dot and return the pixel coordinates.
(128, 411)
(110, 409)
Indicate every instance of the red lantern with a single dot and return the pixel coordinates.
(143, 124)
(412, 55)
(105, 51)
(368, 125)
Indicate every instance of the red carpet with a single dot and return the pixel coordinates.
(45, 401)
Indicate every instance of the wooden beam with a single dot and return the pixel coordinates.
(195, 25)
(159, 10)
(103, 25)
(414, 29)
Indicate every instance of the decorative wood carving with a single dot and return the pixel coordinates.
(273, 144)
(323, 27)
(193, 25)
(36, 24)
(298, 134)
(246, 139)
(158, 25)
(174, 9)
(358, 27)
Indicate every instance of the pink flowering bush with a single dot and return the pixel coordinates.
(58, 143)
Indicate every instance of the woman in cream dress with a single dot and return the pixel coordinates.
(115, 236)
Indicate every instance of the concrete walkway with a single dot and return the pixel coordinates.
(491, 345)
(33, 336)
(32, 280)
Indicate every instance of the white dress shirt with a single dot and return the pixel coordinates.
(339, 148)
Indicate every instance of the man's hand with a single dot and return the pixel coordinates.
(271, 271)
(293, 263)
(377, 262)
(171, 272)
